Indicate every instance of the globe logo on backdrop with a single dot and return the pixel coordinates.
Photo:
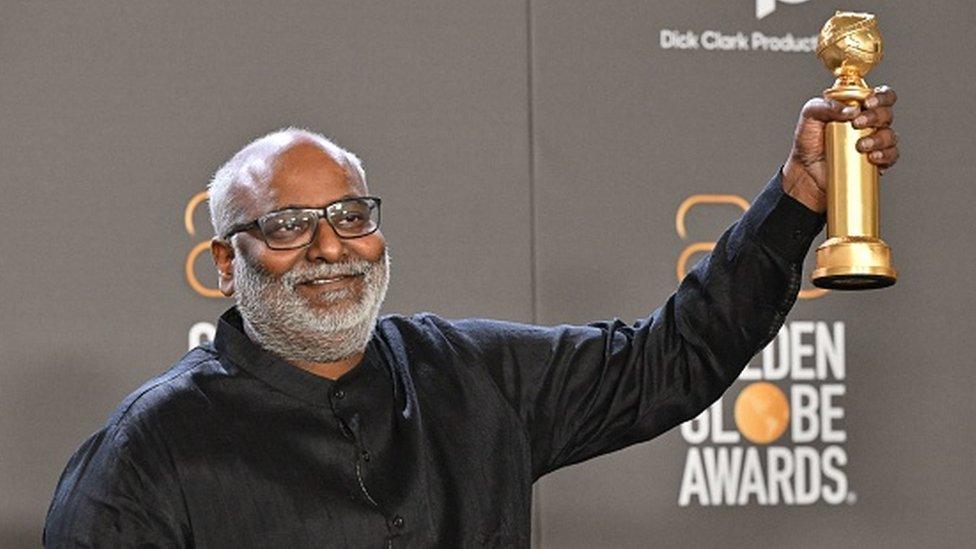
(766, 7)
(762, 412)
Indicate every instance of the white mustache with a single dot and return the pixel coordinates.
(297, 276)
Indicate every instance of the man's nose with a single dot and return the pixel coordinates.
(326, 246)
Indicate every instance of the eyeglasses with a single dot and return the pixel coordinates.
(293, 228)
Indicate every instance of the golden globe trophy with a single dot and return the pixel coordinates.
(853, 257)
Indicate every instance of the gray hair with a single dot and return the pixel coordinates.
(246, 173)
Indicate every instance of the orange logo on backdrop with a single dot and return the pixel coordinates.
(191, 277)
(704, 247)
(762, 412)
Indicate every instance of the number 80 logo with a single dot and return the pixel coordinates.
(705, 247)
(188, 267)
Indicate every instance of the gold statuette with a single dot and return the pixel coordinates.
(853, 257)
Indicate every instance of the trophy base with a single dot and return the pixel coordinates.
(854, 263)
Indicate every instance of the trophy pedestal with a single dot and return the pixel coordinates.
(854, 263)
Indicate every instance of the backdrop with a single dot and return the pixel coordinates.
(539, 161)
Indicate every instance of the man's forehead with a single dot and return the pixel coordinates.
(274, 171)
(307, 158)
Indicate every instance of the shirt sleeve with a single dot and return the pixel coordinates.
(111, 496)
(582, 391)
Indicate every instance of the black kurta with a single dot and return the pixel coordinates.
(436, 437)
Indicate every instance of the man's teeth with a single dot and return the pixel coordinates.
(320, 281)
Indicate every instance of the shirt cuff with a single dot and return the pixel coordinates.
(781, 222)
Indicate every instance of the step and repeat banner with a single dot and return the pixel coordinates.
(541, 161)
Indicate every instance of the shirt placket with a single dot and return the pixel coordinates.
(351, 425)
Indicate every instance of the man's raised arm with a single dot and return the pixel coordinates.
(583, 391)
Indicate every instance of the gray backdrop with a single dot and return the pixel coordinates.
(532, 157)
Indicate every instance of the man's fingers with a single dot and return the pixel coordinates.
(884, 158)
(881, 147)
(878, 117)
(884, 138)
(877, 111)
(883, 96)
(826, 110)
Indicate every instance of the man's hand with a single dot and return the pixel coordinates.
(805, 173)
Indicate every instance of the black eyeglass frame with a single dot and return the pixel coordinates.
(322, 214)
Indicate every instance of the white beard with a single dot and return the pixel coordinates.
(283, 322)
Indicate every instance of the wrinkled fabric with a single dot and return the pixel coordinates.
(435, 438)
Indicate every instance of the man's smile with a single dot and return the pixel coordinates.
(332, 280)
(327, 290)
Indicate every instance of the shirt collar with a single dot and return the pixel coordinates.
(284, 376)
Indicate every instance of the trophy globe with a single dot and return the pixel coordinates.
(850, 46)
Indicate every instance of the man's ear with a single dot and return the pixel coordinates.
(223, 258)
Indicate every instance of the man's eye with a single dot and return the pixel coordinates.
(290, 225)
(350, 218)
(285, 229)
(287, 226)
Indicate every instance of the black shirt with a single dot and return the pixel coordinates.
(436, 437)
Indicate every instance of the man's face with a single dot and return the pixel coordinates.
(316, 303)
(305, 176)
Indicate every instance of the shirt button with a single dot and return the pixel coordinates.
(365, 455)
(797, 234)
(397, 522)
(339, 394)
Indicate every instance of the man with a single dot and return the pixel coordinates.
(308, 423)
